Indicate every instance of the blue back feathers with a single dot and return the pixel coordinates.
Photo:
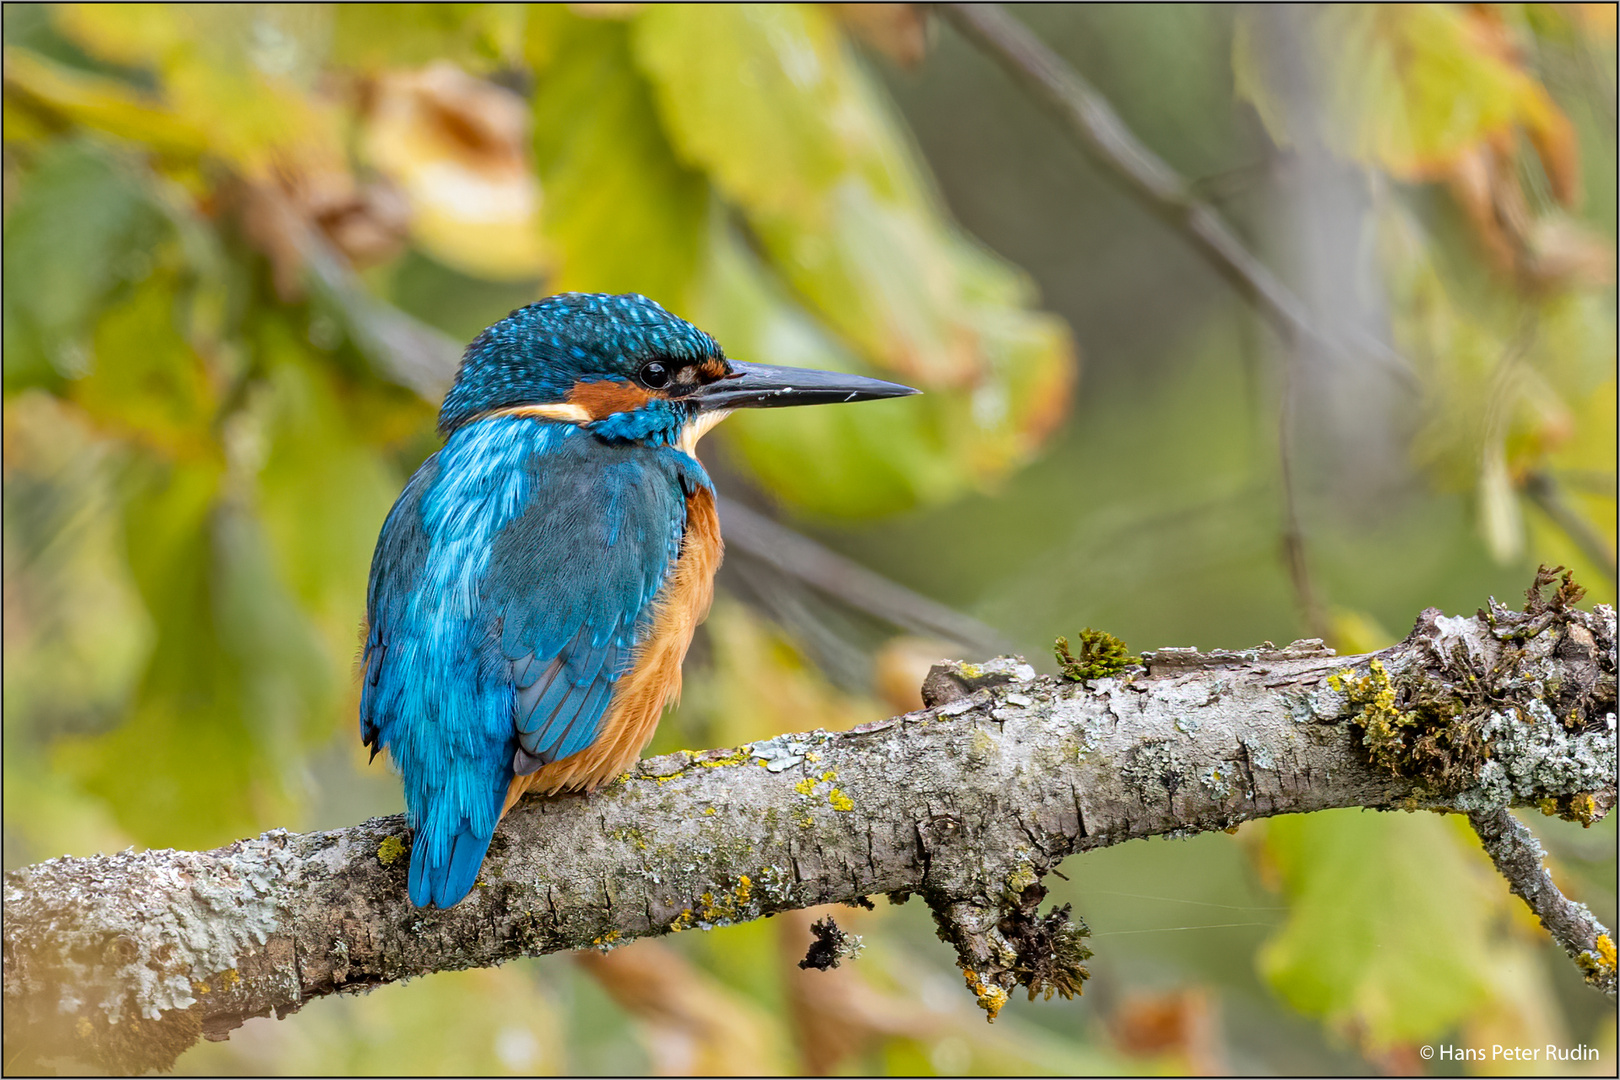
(516, 574)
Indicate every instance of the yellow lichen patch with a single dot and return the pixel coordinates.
(1432, 740)
(1598, 962)
(990, 997)
(231, 979)
(1376, 696)
(711, 908)
(1585, 809)
(736, 757)
(1581, 807)
(1022, 878)
(835, 798)
(201, 988)
(608, 938)
(391, 850)
(631, 836)
(1605, 951)
(709, 811)
(981, 745)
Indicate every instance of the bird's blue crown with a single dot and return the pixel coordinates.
(538, 354)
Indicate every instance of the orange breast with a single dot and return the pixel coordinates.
(654, 678)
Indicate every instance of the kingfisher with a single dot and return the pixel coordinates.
(536, 585)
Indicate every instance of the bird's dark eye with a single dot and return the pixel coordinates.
(655, 375)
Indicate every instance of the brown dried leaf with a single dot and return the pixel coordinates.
(1180, 1023)
(898, 31)
(692, 1025)
(458, 147)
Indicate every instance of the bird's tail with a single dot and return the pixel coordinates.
(443, 872)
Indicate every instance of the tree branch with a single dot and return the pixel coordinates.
(1544, 490)
(1517, 855)
(123, 961)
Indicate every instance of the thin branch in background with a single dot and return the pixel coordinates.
(404, 349)
(1517, 855)
(793, 553)
(1089, 117)
(1094, 124)
(1548, 496)
(1293, 537)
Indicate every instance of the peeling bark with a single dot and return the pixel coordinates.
(123, 961)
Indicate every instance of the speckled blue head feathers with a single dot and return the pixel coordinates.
(537, 354)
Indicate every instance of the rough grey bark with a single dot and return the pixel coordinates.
(1517, 854)
(125, 960)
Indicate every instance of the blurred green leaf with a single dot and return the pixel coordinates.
(767, 100)
(324, 488)
(146, 382)
(865, 459)
(372, 37)
(770, 103)
(749, 94)
(1412, 88)
(243, 81)
(1388, 932)
(230, 686)
(40, 91)
(622, 214)
(81, 226)
(492, 1022)
(876, 458)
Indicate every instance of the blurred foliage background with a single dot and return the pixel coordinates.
(242, 247)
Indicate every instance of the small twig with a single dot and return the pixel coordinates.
(1293, 538)
(864, 590)
(1094, 124)
(1517, 855)
(1548, 496)
(404, 349)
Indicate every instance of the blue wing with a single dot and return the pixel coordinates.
(396, 569)
(572, 582)
(512, 582)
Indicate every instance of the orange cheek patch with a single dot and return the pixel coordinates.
(604, 397)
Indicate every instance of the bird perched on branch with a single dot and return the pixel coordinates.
(536, 586)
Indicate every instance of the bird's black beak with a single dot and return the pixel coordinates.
(766, 386)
